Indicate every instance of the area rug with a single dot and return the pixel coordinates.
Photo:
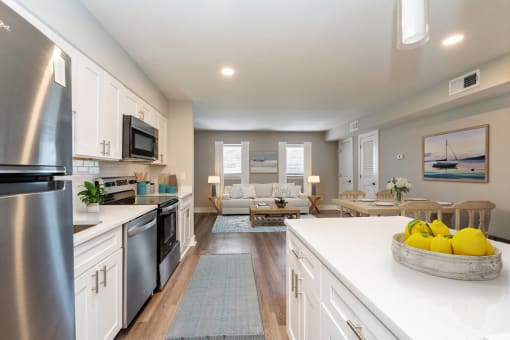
(221, 302)
(241, 224)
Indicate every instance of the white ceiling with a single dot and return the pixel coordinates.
(301, 64)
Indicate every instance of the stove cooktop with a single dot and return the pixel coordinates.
(129, 198)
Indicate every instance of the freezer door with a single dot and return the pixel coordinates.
(35, 97)
(36, 261)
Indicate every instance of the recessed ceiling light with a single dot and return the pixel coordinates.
(453, 39)
(227, 71)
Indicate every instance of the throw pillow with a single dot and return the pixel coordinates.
(248, 191)
(264, 190)
(294, 191)
(235, 192)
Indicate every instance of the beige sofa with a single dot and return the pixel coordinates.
(233, 203)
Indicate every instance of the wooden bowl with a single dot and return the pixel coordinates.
(458, 267)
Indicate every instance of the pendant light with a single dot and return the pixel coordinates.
(412, 26)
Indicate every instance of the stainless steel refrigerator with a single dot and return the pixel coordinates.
(36, 234)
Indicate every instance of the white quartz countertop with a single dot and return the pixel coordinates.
(412, 304)
(110, 216)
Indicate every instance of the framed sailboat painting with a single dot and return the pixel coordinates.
(460, 155)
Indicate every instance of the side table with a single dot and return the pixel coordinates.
(215, 201)
(314, 201)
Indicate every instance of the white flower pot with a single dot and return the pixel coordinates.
(93, 207)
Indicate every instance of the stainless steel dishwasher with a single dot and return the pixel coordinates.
(140, 263)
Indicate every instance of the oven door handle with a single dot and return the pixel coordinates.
(142, 228)
(166, 211)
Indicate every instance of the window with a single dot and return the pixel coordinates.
(232, 160)
(295, 160)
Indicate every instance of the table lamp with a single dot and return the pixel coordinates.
(213, 180)
(314, 180)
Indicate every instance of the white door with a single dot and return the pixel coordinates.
(346, 166)
(368, 163)
(110, 128)
(110, 296)
(85, 299)
(86, 103)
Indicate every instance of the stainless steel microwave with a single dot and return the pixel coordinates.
(139, 140)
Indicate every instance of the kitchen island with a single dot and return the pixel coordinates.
(342, 280)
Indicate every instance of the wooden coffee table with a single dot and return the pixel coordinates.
(271, 212)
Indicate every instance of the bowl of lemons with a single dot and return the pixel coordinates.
(432, 248)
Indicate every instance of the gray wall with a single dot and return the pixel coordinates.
(407, 138)
(324, 158)
(73, 22)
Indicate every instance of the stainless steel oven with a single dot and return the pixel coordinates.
(139, 140)
(168, 246)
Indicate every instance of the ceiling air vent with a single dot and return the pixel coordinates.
(354, 126)
(464, 82)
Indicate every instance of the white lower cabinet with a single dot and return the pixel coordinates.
(320, 306)
(303, 303)
(98, 293)
(329, 329)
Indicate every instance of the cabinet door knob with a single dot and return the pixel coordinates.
(104, 276)
(293, 281)
(296, 254)
(103, 144)
(356, 329)
(95, 289)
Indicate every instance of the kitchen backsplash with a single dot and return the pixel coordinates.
(89, 170)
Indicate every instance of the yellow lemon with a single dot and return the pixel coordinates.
(416, 226)
(439, 228)
(419, 240)
(441, 244)
(489, 248)
(469, 241)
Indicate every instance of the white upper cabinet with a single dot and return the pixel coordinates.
(110, 129)
(97, 124)
(162, 140)
(86, 103)
(129, 104)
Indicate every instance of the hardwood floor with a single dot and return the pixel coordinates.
(268, 253)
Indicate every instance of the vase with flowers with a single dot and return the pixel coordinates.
(399, 185)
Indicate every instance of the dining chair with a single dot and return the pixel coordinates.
(422, 208)
(350, 195)
(384, 194)
(472, 208)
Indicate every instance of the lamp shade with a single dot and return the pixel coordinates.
(314, 179)
(213, 179)
(413, 28)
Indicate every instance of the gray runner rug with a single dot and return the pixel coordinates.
(221, 301)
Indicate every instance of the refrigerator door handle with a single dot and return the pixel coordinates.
(21, 170)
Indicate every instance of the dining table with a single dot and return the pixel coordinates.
(385, 207)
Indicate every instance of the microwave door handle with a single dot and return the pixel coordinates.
(140, 229)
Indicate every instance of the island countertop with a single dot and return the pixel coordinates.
(411, 304)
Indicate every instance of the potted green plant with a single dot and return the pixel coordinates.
(280, 202)
(92, 195)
